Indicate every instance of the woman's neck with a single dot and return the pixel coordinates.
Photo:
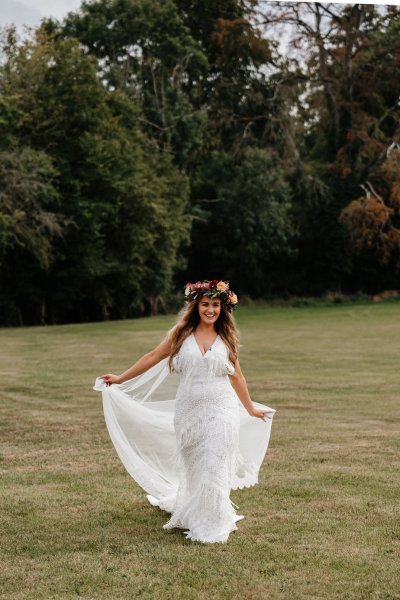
(205, 327)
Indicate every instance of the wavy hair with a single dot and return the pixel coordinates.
(189, 318)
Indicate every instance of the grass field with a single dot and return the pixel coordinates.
(323, 523)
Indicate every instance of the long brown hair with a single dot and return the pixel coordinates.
(189, 318)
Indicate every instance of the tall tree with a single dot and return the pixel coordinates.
(28, 229)
(238, 89)
(373, 221)
(350, 117)
(144, 48)
(249, 230)
(124, 201)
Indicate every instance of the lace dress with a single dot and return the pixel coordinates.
(190, 452)
(207, 432)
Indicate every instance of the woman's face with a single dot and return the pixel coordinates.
(209, 309)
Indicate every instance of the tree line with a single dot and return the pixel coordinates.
(144, 144)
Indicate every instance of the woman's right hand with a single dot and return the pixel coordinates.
(110, 379)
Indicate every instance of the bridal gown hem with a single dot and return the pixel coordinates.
(187, 440)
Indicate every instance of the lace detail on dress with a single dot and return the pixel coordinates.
(206, 424)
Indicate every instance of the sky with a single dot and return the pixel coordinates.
(30, 12)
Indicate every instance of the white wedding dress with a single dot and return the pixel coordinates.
(187, 439)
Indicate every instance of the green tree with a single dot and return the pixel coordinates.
(238, 89)
(27, 187)
(28, 229)
(144, 49)
(123, 199)
(249, 229)
(347, 115)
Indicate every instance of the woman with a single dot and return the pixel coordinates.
(189, 453)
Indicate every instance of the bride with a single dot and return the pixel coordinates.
(190, 450)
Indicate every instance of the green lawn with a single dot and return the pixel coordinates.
(322, 523)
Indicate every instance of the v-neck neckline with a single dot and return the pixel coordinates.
(198, 347)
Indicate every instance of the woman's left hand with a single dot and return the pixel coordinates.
(261, 414)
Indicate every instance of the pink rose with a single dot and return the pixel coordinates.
(233, 298)
(222, 286)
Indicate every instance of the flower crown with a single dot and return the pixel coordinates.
(214, 289)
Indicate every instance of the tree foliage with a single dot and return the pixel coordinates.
(146, 143)
(373, 220)
(122, 203)
(350, 113)
(145, 49)
(248, 226)
(27, 187)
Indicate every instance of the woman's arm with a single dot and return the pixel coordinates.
(240, 386)
(143, 364)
